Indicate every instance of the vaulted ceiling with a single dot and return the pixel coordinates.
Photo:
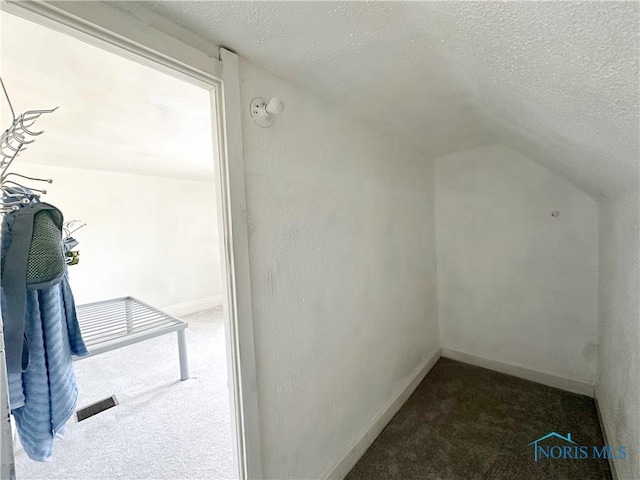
(557, 81)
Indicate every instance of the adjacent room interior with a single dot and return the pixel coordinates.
(442, 231)
(131, 158)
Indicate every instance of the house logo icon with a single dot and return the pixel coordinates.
(549, 435)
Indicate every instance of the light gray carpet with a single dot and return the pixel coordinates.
(469, 423)
(163, 428)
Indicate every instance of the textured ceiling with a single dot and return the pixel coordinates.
(114, 114)
(556, 80)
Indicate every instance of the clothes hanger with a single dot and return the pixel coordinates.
(72, 226)
(27, 190)
(13, 199)
(12, 144)
(47, 180)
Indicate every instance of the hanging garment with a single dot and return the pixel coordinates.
(32, 258)
(43, 397)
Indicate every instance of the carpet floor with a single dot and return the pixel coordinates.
(465, 423)
(162, 428)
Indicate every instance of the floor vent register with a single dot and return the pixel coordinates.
(95, 408)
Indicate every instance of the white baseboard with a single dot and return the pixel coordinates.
(605, 434)
(574, 386)
(374, 429)
(194, 306)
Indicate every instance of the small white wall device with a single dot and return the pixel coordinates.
(262, 112)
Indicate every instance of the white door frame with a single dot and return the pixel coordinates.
(110, 29)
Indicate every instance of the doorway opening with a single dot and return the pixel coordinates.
(131, 154)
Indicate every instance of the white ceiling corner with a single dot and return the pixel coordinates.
(556, 80)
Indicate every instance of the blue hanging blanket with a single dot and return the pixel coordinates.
(44, 396)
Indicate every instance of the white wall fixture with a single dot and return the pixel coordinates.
(262, 112)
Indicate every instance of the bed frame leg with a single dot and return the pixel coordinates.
(182, 351)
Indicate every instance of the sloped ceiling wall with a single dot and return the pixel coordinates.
(557, 81)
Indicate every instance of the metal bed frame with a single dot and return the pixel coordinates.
(111, 324)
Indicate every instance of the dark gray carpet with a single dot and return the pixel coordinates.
(465, 422)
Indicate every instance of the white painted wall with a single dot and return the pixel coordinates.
(515, 284)
(618, 383)
(330, 198)
(153, 238)
(341, 244)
